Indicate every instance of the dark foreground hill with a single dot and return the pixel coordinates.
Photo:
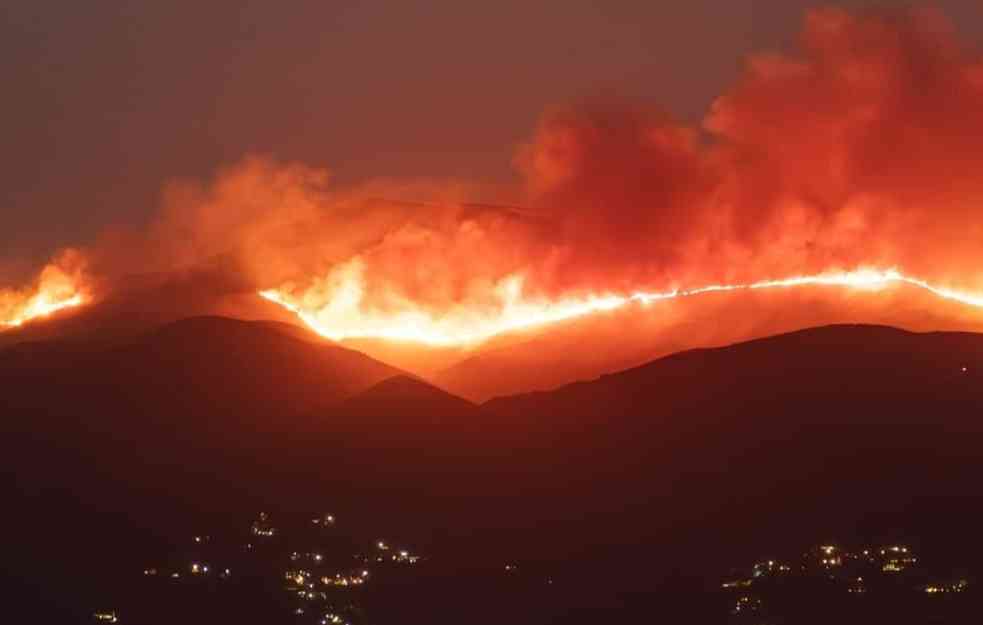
(206, 367)
(406, 397)
(835, 364)
(813, 427)
(635, 491)
(586, 347)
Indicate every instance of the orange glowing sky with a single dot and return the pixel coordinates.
(841, 158)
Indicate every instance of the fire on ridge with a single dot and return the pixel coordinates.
(827, 164)
(338, 314)
(59, 286)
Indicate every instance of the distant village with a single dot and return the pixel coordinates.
(321, 573)
(887, 574)
(317, 584)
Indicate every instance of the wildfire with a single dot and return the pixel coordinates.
(341, 316)
(58, 287)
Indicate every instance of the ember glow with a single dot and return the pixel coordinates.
(338, 315)
(59, 286)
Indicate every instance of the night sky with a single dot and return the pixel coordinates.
(104, 101)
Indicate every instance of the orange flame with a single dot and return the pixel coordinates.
(58, 287)
(334, 307)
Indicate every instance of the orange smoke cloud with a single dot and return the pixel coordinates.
(861, 148)
(845, 155)
(857, 151)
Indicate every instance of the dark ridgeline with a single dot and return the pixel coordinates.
(587, 347)
(635, 491)
(403, 397)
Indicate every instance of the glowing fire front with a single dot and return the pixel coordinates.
(59, 286)
(335, 307)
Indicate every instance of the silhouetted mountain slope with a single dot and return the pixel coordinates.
(406, 397)
(206, 367)
(835, 363)
(675, 469)
(200, 414)
(815, 429)
(542, 359)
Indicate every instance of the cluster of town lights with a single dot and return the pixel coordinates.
(832, 563)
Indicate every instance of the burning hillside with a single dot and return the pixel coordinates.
(850, 162)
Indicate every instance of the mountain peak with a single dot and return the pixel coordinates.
(403, 395)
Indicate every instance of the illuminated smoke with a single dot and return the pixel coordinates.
(857, 150)
(854, 153)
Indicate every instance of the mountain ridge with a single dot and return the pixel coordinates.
(820, 340)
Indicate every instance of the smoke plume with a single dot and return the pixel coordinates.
(860, 147)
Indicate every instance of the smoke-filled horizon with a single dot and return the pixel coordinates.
(856, 147)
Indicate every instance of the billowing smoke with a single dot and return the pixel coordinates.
(859, 148)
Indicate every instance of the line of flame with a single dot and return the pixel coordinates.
(518, 314)
(41, 306)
